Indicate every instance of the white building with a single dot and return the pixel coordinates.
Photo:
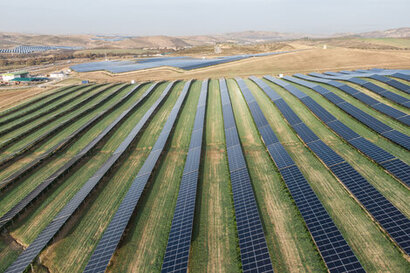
(58, 75)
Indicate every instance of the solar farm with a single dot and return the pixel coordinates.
(303, 173)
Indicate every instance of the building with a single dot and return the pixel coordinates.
(58, 75)
(11, 76)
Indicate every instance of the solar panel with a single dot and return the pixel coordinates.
(368, 120)
(27, 256)
(401, 171)
(335, 250)
(113, 233)
(254, 251)
(179, 240)
(386, 109)
(389, 217)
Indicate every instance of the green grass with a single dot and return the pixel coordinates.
(214, 245)
(385, 183)
(29, 102)
(366, 108)
(378, 97)
(396, 42)
(155, 210)
(45, 111)
(388, 87)
(17, 193)
(289, 242)
(45, 103)
(374, 250)
(59, 136)
(88, 225)
(354, 124)
(52, 124)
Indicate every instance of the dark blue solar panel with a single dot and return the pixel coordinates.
(399, 138)
(366, 99)
(288, 113)
(401, 76)
(333, 248)
(400, 169)
(374, 152)
(179, 240)
(305, 133)
(280, 156)
(327, 155)
(318, 110)
(349, 90)
(51, 179)
(113, 233)
(342, 130)
(371, 150)
(334, 98)
(389, 217)
(254, 251)
(27, 256)
(365, 118)
(390, 111)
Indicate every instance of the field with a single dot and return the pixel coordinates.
(71, 154)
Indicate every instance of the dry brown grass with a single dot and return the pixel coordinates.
(310, 60)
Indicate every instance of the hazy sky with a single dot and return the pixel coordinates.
(187, 17)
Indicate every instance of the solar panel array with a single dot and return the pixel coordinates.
(31, 102)
(252, 243)
(401, 76)
(373, 123)
(21, 205)
(62, 125)
(32, 49)
(392, 164)
(112, 235)
(27, 256)
(16, 125)
(388, 216)
(384, 108)
(335, 251)
(42, 105)
(392, 82)
(179, 240)
(186, 63)
(366, 84)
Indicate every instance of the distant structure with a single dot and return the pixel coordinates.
(324, 46)
(217, 49)
(14, 75)
(280, 75)
(58, 75)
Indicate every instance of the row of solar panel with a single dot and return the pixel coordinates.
(30, 145)
(31, 102)
(16, 116)
(375, 75)
(112, 235)
(388, 216)
(386, 109)
(335, 251)
(22, 204)
(373, 123)
(252, 243)
(366, 84)
(31, 49)
(179, 240)
(27, 256)
(390, 163)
